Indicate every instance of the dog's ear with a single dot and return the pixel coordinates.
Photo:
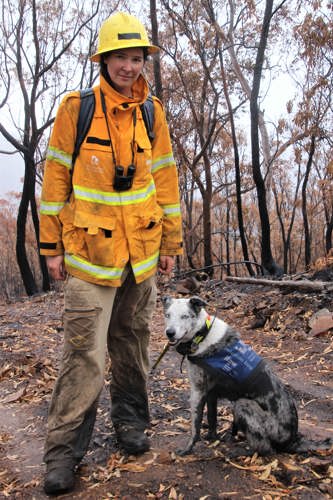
(197, 304)
(166, 301)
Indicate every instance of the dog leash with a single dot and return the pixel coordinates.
(164, 350)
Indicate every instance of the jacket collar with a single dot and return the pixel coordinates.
(114, 99)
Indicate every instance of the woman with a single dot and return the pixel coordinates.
(106, 227)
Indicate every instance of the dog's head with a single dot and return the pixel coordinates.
(183, 318)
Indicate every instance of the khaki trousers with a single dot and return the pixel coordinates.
(96, 318)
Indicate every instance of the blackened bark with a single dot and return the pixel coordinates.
(227, 239)
(307, 233)
(155, 41)
(21, 255)
(237, 172)
(206, 217)
(328, 234)
(266, 253)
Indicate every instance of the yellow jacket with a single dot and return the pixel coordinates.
(98, 229)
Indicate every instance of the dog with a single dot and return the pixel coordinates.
(220, 365)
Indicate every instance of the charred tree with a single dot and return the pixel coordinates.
(307, 232)
(237, 170)
(266, 253)
(156, 61)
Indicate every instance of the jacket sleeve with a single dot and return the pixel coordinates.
(56, 186)
(165, 176)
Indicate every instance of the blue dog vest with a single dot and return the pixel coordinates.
(237, 360)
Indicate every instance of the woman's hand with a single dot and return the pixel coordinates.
(166, 264)
(56, 267)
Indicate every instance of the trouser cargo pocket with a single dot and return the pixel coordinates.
(80, 327)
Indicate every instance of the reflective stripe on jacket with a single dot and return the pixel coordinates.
(99, 229)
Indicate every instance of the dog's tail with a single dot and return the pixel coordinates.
(304, 445)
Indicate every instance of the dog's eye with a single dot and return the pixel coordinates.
(184, 316)
(167, 315)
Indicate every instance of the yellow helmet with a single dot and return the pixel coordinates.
(122, 31)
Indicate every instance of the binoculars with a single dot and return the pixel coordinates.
(123, 182)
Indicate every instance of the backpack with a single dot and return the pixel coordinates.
(87, 108)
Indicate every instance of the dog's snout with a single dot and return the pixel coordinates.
(170, 333)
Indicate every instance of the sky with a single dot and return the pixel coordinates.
(11, 169)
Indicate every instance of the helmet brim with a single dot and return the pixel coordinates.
(151, 49)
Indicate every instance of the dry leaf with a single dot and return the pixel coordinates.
(290, 466)
(173, 494)
(266, 473)
(132, 467)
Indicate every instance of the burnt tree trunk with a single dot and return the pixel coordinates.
(227, 239)
(206, 218)
(328, 234)
(266, 253)
(237, 172)
(307, 233)
(155, 41)
(22, 215)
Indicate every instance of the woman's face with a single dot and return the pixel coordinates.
(124, 67)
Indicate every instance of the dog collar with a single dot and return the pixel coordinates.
(190, 347)
(201, 334)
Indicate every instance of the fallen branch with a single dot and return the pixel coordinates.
(183, 274)
(304, 285)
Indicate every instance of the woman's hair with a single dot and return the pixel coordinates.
(103, 66)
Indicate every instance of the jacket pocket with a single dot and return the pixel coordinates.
(72, 237)
(150, 227)
(98, 237)
(143, 157)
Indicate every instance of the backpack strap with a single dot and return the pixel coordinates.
(87, 108)
(147, 110)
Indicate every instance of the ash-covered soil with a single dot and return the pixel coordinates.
(276, 323)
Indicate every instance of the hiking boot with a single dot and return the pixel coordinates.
(132, 440)
(59, 480)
